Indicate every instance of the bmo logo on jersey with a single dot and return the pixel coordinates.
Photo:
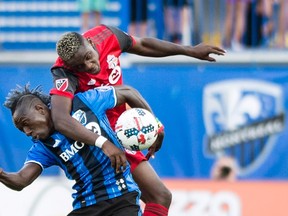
(116, 73)
(70, 152)
(243, 118)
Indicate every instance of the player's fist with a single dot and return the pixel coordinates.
(117, 156)
(158, 142)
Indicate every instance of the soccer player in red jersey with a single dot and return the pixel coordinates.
(92, 59)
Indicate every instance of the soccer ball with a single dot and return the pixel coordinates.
(136, 129)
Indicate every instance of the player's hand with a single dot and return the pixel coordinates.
(158, 142)
(116, 156)
(202, 52)
(156, 146)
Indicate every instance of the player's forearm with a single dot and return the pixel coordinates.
(71, 128)
(158, 48)
(134, 99)
(138, 102)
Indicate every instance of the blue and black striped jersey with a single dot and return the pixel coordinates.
(95, 179)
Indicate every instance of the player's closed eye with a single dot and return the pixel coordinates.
(80, 67)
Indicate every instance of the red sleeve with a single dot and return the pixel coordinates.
(64, 82)
(55, 91)
(133, 41)
(125, 40)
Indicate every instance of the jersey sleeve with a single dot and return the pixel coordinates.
(125, 41)
(100, 98)
(40, 155)
(64, 82)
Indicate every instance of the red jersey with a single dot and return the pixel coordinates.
(110, 42)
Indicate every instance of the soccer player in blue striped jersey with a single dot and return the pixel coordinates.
(100, 188)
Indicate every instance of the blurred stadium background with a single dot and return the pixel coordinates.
(236, 107)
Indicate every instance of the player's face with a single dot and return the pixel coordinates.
(86, 59)
(34, 121)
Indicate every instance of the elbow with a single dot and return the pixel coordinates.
(131, 90)
(19, 187)
(15, 186)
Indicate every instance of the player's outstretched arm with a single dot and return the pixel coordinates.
(67, 125)
(153, 47)
(21, 179)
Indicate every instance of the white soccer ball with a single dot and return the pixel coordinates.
(136, 129)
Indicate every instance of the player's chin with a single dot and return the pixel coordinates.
(42, 137)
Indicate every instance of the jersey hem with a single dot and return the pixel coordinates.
(61, 93)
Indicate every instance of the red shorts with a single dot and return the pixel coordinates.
(134, 158)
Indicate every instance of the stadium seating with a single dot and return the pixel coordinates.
(36, 25)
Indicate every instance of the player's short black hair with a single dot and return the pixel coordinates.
(20, 94)
(68, 45)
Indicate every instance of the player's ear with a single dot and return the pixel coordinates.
(91, 43)
(40, 108)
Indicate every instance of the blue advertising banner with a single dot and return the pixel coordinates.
(208, 110)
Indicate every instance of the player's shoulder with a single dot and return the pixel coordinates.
(125, 40)
(98, 92)
(62, 72)
(102, 33)
(58, 63)
(97, 30)
(38, 146)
